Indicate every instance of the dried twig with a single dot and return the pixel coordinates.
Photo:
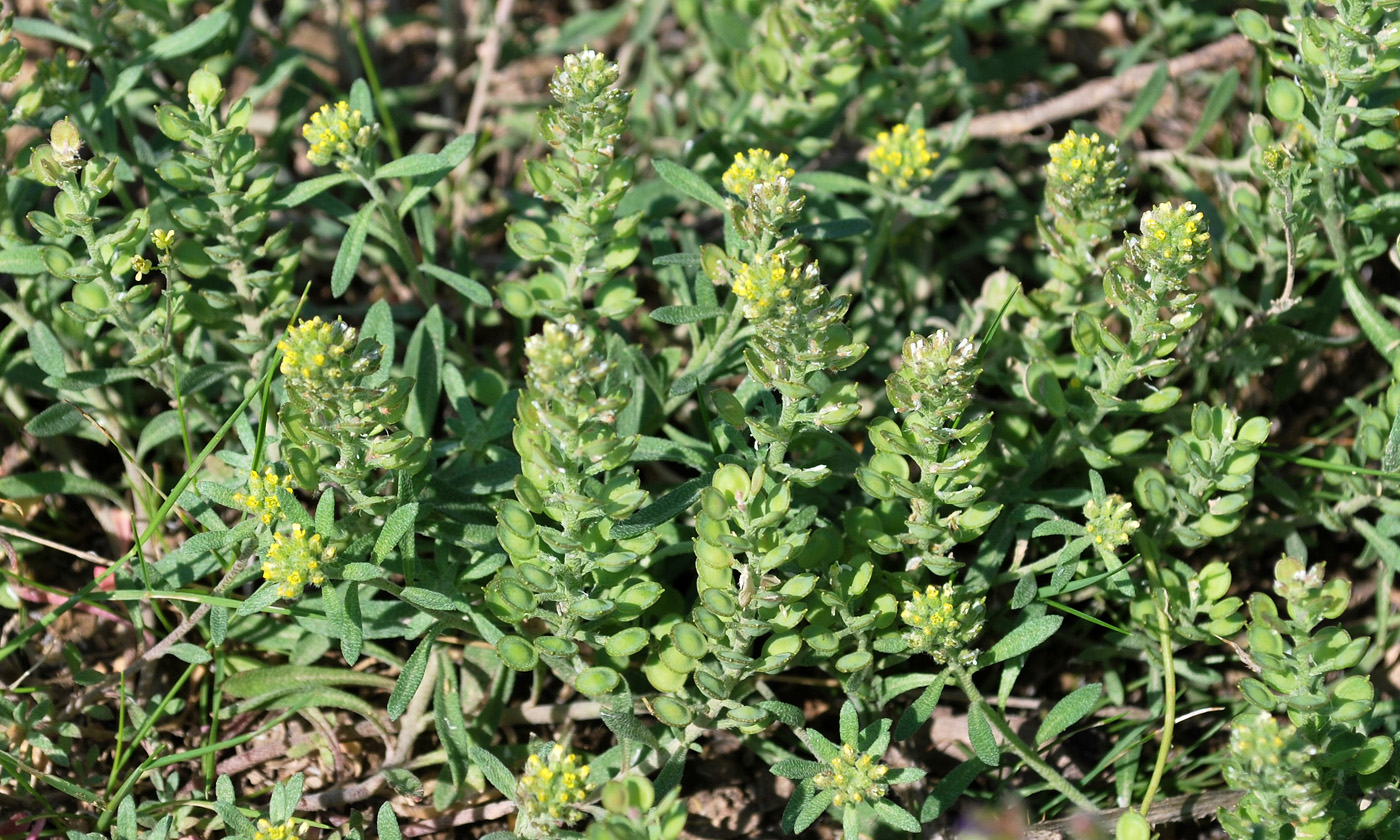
(1099, 92)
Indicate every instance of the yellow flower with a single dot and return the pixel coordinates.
(901, 157)
(755, 166)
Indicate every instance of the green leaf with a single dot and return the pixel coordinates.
(1219, 99)
(677, 501)
(423, 359)
(891, 814)
(307, 190)
(850, 724)
(688, 260)
(193, 654)
(948, 791)
(459, 149)
(676, 315)
(265, 597)
(461, 283)
(413, 166)
(495, 772)
(399, 523)
(53, 483)
(797, 768)
(1023, 638)
(387, 823)
(833, 182)
(430, 600)
(283, 803)
(834, 229)
(1390, 458)
(785, 712)
(1147, 99)
(1069, 711)
(347, 260)
(203, 31)
(49, 31)
(86, 380)
(920, 710)
(58, 419)
(651, 448)
(688, 183)
(22, 260)
(813, 808)
(979, 734)
(412, 675)
(272, 679)
(1382, 334)
(47, 352)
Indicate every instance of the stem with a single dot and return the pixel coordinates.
(1168, 702)
(1018, 746)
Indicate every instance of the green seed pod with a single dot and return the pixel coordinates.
(517, 653)
(596, 681)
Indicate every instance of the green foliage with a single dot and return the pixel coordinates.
(690, 400)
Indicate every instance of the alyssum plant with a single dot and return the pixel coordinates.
(670, 510)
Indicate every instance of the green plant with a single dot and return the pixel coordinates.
(685, 409)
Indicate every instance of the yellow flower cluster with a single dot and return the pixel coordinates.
(854, 777)
(283, 831)
(261, 498)
(768, 286)
(555, 785)
(293, 562)
(755, 166)
(900, 160)
(1084, 168)
(942, 627)
(1173, 243)
(337, 131)
(314, 354)
(1111, 525)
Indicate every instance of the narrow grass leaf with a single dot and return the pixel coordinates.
(1024, 638)
(688, 183)
(495, 772)
(1070, 710)
(412, 675)
(1147, 99)
(1215, 106)
(347, 260)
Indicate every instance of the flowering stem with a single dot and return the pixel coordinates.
(1168, 686)
(1018, 746)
